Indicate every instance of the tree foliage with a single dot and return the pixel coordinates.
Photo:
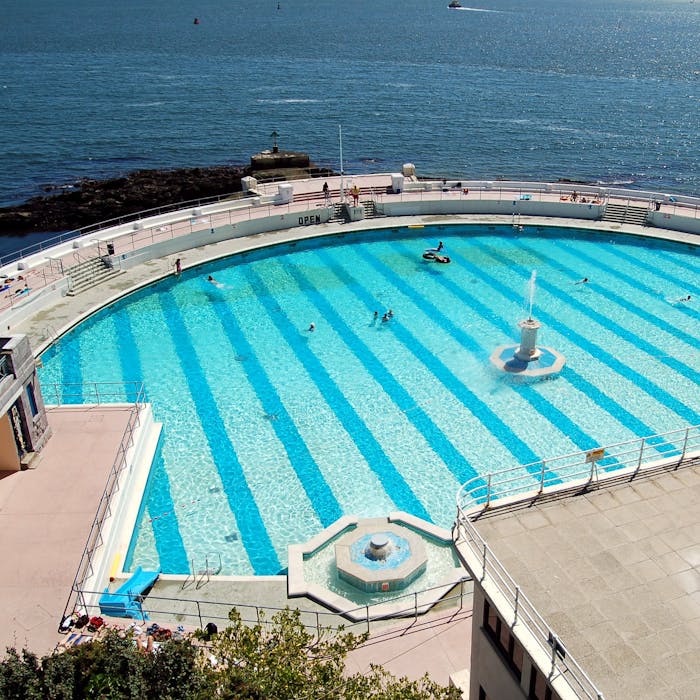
(274, 659)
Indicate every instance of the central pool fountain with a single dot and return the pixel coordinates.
(526, 359)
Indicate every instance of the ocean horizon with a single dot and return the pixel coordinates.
(604, 92)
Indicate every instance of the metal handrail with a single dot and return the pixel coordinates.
(94, 539)
(475, 187)
(524, 611)
(59, 394)
(477, 495)
(537, 477)
(213, 610)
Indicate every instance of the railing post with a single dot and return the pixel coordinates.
(199, 615)
(517, 600)
(488, 491)
(554, 653)
(367, 615)
(641, 453)
(483, 563)
(318, 625)
(542, 476)
(685, 445)
(415, 606)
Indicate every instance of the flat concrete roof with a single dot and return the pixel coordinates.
(45, 517)
(615, 572)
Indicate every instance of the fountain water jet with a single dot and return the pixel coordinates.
(526, 359)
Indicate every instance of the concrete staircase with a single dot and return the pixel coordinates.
(370, 209)
(339, 215)
(625, 214)
(88, 273)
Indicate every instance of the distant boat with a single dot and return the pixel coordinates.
(455, 5)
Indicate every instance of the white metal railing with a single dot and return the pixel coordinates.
(663, 449)
(95, 539)
(58, 394)
(524, 612)
(195, 611)
(44, 264)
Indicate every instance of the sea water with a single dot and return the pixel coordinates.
(605, 90)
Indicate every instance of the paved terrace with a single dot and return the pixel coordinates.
(616, 573)
(45, 517)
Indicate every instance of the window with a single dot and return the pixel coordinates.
(504, 641)
(32, 400)
(539, 690)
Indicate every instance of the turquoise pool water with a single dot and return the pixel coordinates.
(273, 431)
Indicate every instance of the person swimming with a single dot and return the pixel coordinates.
(682, 299)
(582, 281)
(211, 280)
(312, 327)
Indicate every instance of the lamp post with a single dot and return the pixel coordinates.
(275, 147)
(342, 179)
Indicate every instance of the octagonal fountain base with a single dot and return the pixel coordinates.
(376, 567)
(380, 560)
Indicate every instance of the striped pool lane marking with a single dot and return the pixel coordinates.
(492, 422)
(666, 276)
(168, 541)
(392, 481)
(310, 476)
(559, 420)
(601, 354)
(173, 556)
(616, 410)
(254, 536)
(653, 270)
(628, 305)
(71, 367)
(454, 460)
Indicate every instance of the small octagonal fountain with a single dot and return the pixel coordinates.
(355, 564)
(380, 561)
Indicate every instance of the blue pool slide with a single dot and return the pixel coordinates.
(126, 600)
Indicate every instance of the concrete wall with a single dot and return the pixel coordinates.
(505, 207)
(487, 668)
(14, 393)
(222, 233)
(674, 222)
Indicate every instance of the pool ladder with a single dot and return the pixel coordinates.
(212, 567)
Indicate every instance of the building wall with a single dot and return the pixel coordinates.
(21, 399)
(501, 668)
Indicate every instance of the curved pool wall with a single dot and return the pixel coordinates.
(418, 410)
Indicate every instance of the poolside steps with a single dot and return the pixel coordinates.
(370, 209)
(89, 273)
(339, 215)
(625, 214)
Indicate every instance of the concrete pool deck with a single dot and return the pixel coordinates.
(43, 326)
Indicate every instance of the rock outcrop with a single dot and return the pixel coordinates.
(92, 201)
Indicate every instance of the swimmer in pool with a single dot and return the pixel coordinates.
(211, 280)
(583, 281)
(312, 327)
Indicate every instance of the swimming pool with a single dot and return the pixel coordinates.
(273, 431)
